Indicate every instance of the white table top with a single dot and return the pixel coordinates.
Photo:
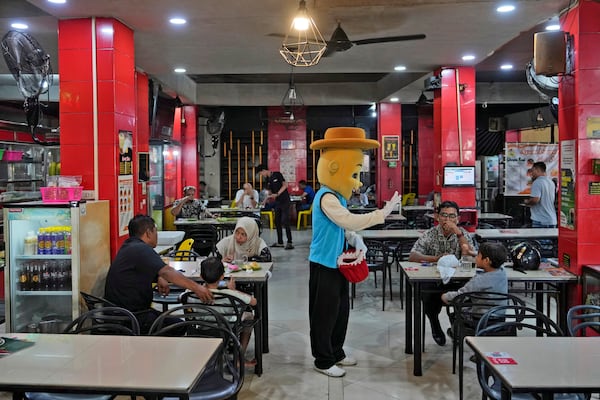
(163, 249)
(207, 221)
(395, 217)
(544, 363)
(418, 271)
(191, 269)
(117, 364)
(418, 208)
(232, 210)
(508, 233)
(494, 215)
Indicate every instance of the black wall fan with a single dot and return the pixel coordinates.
(340, 42)
(30, 66)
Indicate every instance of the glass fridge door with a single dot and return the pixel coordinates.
(39, 265)
(155, 184)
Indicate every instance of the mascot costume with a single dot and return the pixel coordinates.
(338, 171)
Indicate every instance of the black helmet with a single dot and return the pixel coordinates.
(525, 256)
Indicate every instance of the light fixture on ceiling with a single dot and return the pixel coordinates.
(539, 117)
(291, 99)
(303, 45)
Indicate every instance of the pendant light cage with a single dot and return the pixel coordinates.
(303, 45)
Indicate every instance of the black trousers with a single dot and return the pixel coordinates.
(147, 317)
(328, 310)
(432, 297)
(282, 220)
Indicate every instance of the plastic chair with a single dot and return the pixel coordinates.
(464, 312)
(205, 239)
(408, 199)
(377, 260)
(303, 217)
(233, 204)
(98, 321)
(516, 320)
(271, 215)
(224, 376)
(579, 318)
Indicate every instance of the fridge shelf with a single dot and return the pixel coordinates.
(45, 257)
(44, 292)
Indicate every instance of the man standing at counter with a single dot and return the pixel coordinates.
(136, 267)
(541, 200)
(278, 187)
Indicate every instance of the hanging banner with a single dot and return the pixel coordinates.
(567, 184)
(519, 160)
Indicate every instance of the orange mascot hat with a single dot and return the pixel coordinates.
(344, 138)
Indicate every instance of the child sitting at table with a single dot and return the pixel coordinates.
(212, 272)
(490, 258)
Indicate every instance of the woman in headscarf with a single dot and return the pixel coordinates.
(245, 241)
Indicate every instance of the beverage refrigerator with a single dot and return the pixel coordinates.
(53, 251)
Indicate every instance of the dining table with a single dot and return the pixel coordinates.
(258, 279)
(546, 365)
(553, 280)
(103, 364)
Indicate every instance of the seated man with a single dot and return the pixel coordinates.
(444, 238)
(188, 206)
(136, 267)
(308, 194)
(247, 197)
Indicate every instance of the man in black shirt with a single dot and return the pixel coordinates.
(136, 267)
(278, 187)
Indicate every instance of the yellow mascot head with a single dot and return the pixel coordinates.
(342, 158)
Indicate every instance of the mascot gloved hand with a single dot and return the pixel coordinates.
(356, 241)
(392, 204)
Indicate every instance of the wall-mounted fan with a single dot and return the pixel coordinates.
(30, 66)
(339, 40)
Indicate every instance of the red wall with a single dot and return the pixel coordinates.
(425, 177)
(297, 135)
(389, 179)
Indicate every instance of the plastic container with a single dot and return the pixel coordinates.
(2, 153)
(61, 194)
(12, 155)
(31, 243)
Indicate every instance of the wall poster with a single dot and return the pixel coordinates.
(390, 148)
(125, 186)
(567, 184)
(125, 152)
(519, 160)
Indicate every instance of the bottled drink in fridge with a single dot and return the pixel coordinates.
(53, 276)
(67, 239)
(35, 277)
(46, 282)
(24, 276)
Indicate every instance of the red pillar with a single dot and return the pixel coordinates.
(426, 151)
(97, 100)
(189, 147)
(580, 100)
(389, 178)
(454, 130)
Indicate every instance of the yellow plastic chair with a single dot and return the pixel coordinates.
(271, 215)
(408, 199)
(303, 217)
(233, 204)
(184, 249)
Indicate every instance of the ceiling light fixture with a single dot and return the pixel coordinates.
(57, 1)
(19, 25)
(178, 21)
(505, 8)
(394, 99)
(179, 70)
(553, 27)
(506, 67)
(468, 57)
(291, 99)
(539, 117)
(303, 45)
(399, 68)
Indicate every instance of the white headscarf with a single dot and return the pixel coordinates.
(253, 245)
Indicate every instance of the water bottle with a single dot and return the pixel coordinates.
(67, 239)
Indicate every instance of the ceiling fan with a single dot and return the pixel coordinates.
(340, 42)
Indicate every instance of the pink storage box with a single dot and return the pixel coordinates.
(61, 194)
(12, 155)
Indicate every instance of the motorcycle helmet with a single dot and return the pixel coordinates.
(525, 256)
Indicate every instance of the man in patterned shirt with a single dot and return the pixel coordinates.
(444, 238)
(188, 206)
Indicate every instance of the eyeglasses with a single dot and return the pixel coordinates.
(446, 215)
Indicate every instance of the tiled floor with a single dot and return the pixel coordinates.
(375, 338)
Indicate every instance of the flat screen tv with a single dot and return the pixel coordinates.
(455, 175)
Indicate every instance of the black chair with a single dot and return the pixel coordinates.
(580, 318)
(464, 312)
(377, 260)
(105, 321)
(224, 375)
(515, 320)
(183, 255)
(98, 321)
(205, 239)
(93, 302)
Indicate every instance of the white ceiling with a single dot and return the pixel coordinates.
(231, 38)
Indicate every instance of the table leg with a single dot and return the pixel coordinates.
(539, 302)
(258, 329)
(562, 305)
(505, 393)
(265, 316)
(418, 335)
(408, 318)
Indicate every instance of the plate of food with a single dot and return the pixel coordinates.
(252, 265)
(231, 267)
